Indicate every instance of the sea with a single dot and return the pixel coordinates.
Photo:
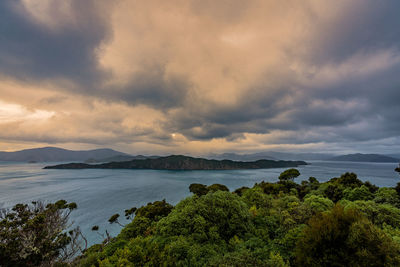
(101, 193)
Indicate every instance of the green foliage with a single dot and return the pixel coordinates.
(345, 238)
(288, 185)
(334, 192)
(348, 179)
(289, 174)
(35, 235)
(388, 196)
(155, 210)
(256, 197)
(220, 215)
(241, 190)
(217, 187)
(113, 218)
(372, 188)
(270, 224)
(307, 186)
(200, 189)
(145, 217)
(271, 188)
(318, 204)
(138, 226)
(378, 214)
(397, 188)
(129, 212)
(358, 193)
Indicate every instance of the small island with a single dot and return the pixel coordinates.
(179, 162)
(365, 158)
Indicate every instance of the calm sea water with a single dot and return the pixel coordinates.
(102, 193)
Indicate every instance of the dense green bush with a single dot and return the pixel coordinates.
(344, 237)
(342, 222)
(201, 189)
(270, 224)
(36, 235)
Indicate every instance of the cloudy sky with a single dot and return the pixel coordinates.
(200, 76)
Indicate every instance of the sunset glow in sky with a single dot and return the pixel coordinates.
(194, 77)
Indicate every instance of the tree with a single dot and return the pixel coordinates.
(334, 192)
(130, 212)
(349, 179)
(289, 175)
(241, 190)
(36, 234)
(388, 196)
(114, 219)
(220, 215)
(198, 189)
(155, 210)
(358, 193)
(398, 184)
(201, 189)
(217, 187)
(397, 188)
(344, 237)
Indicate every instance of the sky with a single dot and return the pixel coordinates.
(200, 76)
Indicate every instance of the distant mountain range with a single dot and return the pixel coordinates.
(54, 154)
(396, 156)
(273, 155)
(179, 162)
(365, 158)
(118, 158)
(241, 157)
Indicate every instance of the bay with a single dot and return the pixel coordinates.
(102, 193)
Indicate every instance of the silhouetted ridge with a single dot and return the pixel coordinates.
(365, 158)
(180, 162)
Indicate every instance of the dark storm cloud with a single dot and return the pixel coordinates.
(31, 50)
(284, 72)
(366, 26)
(362, 33)
(151, 87)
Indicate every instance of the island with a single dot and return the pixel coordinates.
(180, 162)
(365, 158)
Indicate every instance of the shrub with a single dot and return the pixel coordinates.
(345, 238)
(35, 234)
(219, 215)
(289, 175)
(358, 193)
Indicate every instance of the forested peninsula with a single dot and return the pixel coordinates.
(179, 162)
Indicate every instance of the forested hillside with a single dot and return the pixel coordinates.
(343, 222)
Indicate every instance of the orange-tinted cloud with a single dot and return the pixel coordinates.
(198, 76)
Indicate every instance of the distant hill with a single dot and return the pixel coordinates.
(119, 158)
(53, 154)
(272, 155)
(396, 156)
(178, 162)
(241, 157)
(301, 156)
(365, 158)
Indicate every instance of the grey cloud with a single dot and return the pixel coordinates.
(151, 87)
(32, 51)
(367, 29)
(356, 107)
(366, 26)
